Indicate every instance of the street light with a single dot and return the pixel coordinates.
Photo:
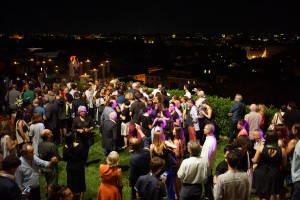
(95, 73)
(108, 67)
(102, 66)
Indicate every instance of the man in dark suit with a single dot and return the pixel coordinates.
(109, 132)
(51, 122)
(139, 159)
(77, 102)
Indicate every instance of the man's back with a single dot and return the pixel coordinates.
(139, 165)
(254, 120)
(232, 185)
(150, 188)
(9, 189)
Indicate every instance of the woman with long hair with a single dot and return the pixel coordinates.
(178, 140)
(283, 135)
(73, 154)
(161, 148)
(262, 110)
(35, 129)
(7, 145)
(21, 128)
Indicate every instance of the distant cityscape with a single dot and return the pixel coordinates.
(264, 67)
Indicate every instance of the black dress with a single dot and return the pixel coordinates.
(267, 173)
(83, 138)
(75, 168)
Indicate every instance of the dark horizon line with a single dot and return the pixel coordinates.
(152, 33)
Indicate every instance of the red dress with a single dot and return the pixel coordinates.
(108, 189)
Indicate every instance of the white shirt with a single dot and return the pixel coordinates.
(156, 91)
(193, 170)
(209, 150)
(188, 94)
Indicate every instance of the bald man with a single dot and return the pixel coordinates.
(254, 120)
(109, 132)
(27, 174)
(47, 149)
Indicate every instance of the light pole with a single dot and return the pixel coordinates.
(108, 67)
(102, 66)
(95, 73)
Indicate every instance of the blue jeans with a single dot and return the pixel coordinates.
(296, 195)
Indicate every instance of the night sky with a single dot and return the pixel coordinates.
(140, 17)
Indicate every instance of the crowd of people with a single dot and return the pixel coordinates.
(171, 140)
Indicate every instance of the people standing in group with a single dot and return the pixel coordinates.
(236, 112)
(74, 155)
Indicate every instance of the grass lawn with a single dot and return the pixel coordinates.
(92, 171)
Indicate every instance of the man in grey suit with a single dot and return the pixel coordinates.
(109, 133)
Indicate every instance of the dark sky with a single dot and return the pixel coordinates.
(140, 17)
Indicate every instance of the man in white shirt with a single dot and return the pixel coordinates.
(193, 172)
(209, 151)
(158, 89)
